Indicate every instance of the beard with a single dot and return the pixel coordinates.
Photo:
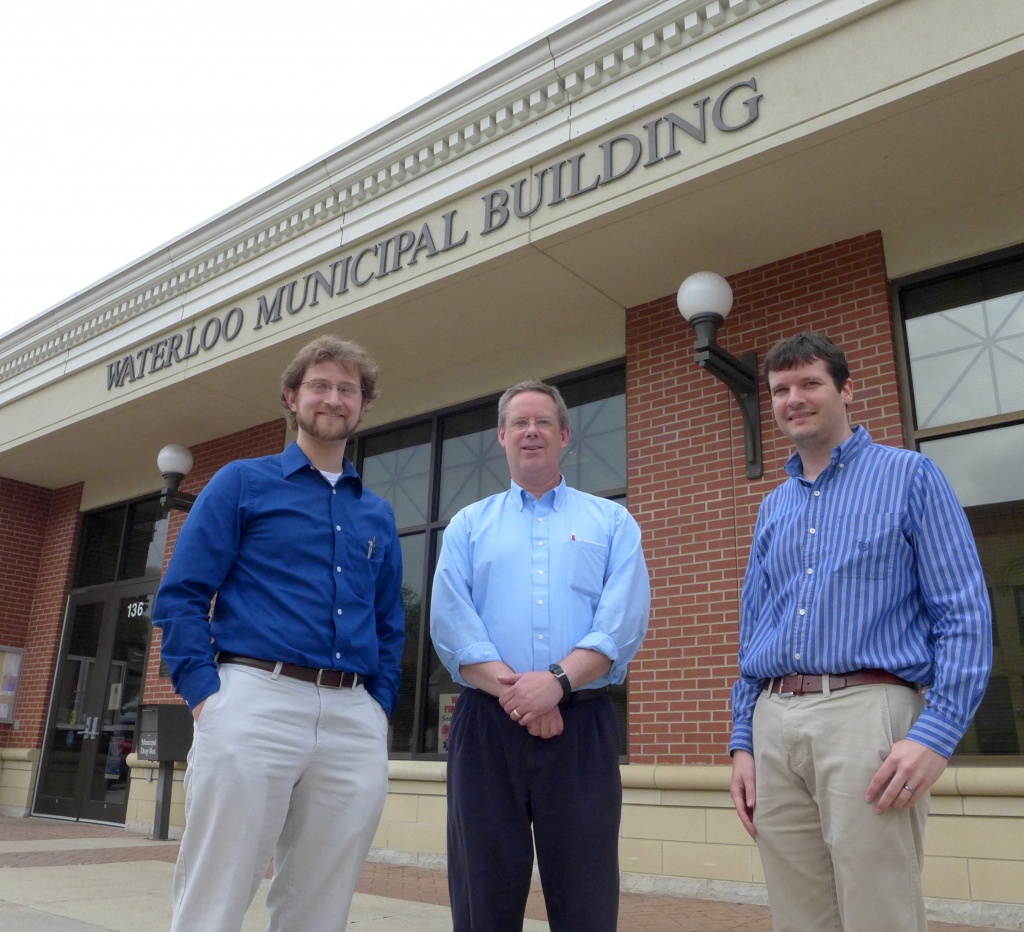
(327, 430)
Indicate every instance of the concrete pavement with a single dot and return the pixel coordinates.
(58, 876)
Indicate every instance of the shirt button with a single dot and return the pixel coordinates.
(337, 656)
(337, 527)
(339, 611)
(338, 568)
(802, 611)
(810, 571)
(540, 637)
(540, 601)
(797, 655)
(812, 530)
(817, 492)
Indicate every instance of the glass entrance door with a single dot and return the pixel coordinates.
(84, 771)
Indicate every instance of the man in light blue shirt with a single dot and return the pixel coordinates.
(540, 600)
(865, 649)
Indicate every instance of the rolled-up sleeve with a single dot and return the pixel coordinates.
(457, 631)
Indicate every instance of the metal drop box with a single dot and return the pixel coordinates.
(165, 732)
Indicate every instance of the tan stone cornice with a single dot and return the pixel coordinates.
(602, 47)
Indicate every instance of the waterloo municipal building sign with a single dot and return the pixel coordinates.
(736, 108)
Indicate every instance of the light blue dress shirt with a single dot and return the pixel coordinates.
(870, 566)
(527, 581)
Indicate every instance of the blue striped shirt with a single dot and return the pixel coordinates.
(527, 581)
(871, 565)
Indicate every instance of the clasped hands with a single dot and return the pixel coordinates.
(531, 700)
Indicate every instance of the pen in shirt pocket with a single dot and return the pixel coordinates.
(371, 546)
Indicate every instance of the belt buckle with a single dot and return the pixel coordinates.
(785, 695)
(319, 684)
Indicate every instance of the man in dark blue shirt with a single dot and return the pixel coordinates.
(292, 676)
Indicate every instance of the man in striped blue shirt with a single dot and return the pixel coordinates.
(865, 649)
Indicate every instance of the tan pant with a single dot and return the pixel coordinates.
(831, 862)
(280, 768)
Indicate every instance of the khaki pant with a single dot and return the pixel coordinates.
(831, 862)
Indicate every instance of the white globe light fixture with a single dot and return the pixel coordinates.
(174, 462)
(704, 300)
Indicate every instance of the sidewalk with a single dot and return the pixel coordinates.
(60, 876)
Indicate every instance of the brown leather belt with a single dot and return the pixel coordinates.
(800, 684)
(335, 679)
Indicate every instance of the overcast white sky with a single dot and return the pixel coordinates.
(127, 123)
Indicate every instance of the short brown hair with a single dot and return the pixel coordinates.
(803, 348)
(534, 385)
(328, 348)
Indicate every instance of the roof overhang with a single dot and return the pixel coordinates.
(820, 120)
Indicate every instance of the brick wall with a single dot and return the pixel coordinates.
(21, 541)
(261, 440)
(687, 482)
(38, 539)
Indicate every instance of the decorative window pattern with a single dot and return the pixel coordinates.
(964, 336)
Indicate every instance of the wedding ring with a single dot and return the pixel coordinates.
(908, 788)
(517, 716)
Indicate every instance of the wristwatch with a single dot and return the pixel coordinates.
(562, 678)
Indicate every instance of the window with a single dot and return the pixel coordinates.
(126, 541)
(964, 337)
(429, 469)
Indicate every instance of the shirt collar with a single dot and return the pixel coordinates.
(841, 455)
(293, 460)
(555, 495)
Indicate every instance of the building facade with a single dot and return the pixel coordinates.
(850, 166)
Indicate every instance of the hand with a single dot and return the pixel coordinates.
(742, 790)
(530, 696)
(909, 764)
(549, 725)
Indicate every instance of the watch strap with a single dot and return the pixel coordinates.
(563, 679)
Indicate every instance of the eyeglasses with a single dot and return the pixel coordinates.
(539, 423)
(322, 387)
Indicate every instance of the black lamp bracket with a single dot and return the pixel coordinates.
(740, 375)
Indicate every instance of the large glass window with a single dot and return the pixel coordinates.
(428, 470)
(125, 541)
(964, 335)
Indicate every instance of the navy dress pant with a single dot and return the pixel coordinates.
(509, 791)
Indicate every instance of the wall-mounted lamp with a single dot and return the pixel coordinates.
(705, 300)
(174, 462)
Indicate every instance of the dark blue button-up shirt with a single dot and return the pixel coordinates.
(303, 572)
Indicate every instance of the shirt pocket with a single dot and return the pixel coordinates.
(865, 546)
(364, 559)
(586, 568)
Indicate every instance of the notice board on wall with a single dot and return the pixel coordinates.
(10, 676)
